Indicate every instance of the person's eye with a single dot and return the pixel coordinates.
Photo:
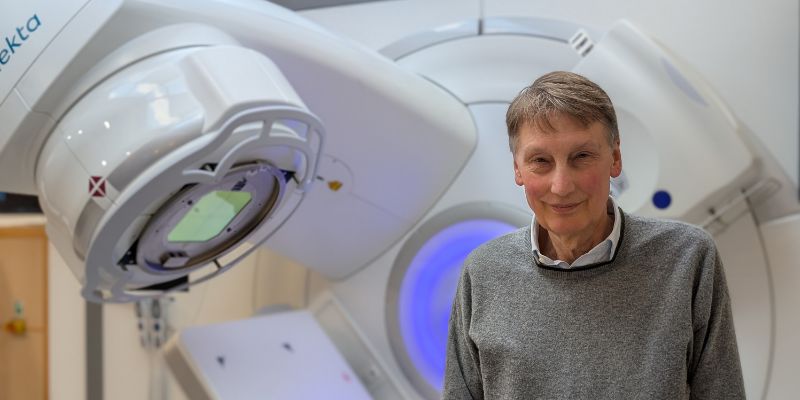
(539, 164)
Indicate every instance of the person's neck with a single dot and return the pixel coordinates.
(569, 247)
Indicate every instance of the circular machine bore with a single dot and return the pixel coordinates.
(423, 283)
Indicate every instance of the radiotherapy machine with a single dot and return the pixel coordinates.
(167, 140)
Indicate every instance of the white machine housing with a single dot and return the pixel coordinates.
(150, 120)
(127, 113)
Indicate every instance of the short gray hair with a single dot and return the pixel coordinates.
(560, 93)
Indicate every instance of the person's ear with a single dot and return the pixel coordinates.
(616, 154)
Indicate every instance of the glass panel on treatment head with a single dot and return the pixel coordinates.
(209, 216)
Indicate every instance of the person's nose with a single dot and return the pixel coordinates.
(562, 183)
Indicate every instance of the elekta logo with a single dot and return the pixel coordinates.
(12, 44)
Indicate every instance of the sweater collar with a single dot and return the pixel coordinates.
(602, 252)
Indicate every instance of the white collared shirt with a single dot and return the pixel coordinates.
(604, 250)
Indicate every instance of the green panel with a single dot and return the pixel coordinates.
(209, 216)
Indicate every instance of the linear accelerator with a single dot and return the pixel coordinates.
(167, 140)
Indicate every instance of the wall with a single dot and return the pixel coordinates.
(67, 331)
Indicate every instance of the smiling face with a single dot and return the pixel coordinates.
(566, 175)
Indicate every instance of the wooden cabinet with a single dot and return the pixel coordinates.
(23, 283)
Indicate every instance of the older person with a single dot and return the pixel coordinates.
(587, 302)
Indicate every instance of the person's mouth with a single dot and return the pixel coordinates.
(564, 207)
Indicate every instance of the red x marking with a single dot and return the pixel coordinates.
(97, 186)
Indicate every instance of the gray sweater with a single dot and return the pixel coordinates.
(653, 323)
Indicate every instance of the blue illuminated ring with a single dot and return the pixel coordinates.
(423, 282)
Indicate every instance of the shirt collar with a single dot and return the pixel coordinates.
(603, 251)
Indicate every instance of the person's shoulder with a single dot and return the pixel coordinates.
(658, 229)
(500, 249)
